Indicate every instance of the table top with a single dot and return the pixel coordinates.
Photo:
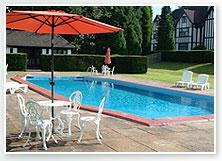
(56, 103)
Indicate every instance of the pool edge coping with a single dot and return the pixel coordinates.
(130, 117)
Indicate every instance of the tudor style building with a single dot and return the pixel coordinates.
(194, 25)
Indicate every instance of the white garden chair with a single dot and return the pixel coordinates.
(6, 69)
(41, 125)
(111, 72)
(12, 87)
(105, 70)
(94, 119)
(186, 79)
(76, 99)
(202, 82)
(24, 114)
(92, 70)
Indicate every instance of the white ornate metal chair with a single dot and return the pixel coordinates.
(76, 99)
(94, 119)
(24, 114)
(92, 70)
(41, 125)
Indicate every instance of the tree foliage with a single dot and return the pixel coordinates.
(165, 40)
(146, 24)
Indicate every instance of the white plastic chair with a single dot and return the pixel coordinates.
(76, 99)
(6, 69)
(24, 114)
(35, 120)
(111, 72)
(94, 119)
(186, 79)
(105, 70)
(12, 87)
(202, 82)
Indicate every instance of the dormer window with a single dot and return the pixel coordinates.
(184, 19)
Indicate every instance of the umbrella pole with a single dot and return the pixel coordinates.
(52, 71)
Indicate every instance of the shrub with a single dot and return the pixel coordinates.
(80, 62)
(189, 56)
(129, 64)
(16, 62)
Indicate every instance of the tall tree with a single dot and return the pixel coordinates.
(147, 25)
(165, 40)
(133, 32)
(116, 41)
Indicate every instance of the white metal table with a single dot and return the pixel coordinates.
(56, 103)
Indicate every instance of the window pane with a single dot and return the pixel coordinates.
(14, 50)
(7, 50)
(43, 51)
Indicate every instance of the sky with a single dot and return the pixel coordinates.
(157, 10)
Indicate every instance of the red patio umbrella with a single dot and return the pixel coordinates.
(55, 22)
(108, 58)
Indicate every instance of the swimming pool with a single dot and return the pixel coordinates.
(131, 98)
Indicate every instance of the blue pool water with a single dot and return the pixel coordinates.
(140, 100)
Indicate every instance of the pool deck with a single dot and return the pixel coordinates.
(119, 135)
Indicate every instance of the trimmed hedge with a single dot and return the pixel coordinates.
(16, 62)
(189, 56)
(130, 64)
(80, 62)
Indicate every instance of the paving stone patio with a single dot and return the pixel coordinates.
(119, 135)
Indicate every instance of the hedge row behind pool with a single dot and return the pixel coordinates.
(16, 62)
(80, 62)
(188, 56)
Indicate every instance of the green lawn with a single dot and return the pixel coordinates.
(170, 72)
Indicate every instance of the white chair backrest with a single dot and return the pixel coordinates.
(76, 98)
(113, 69)
(202, 78)
(187, 76)
(101, 106)
(22, 106)
(103, 67)
(34, 117)
(89, 69)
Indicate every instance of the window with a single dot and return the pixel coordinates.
(184, 19)
(155, 35)
(183, 46)
(59, 51)
(14, 50)
(183, 32)
(64, 52)
(55, 51)
(43, 51)
(69, 51)
(154, 46)
(8, 50)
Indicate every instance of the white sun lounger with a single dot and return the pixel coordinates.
(186, 79)
(12, 87)
(202, 82)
